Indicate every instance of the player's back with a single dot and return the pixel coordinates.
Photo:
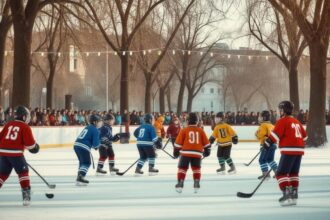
(192, 140)
(264, 131)
(223, 134)
(88, 138)
(145, 135)
(15, 137)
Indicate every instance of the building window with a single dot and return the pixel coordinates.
(212, 90)
(88, 91)
(73, 59)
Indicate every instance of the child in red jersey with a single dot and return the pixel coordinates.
(173, 130)
(291, 136)
(191, 143)
(14, 138)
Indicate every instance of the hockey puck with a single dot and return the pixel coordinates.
(49, 195)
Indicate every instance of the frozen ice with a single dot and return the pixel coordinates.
(154, 197)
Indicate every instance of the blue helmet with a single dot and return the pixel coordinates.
(94, 118)
(148, 118)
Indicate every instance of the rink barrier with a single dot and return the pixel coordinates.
(54, 137)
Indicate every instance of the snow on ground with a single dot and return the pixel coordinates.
(154, 197)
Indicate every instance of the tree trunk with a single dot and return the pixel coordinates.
(22, 63)
(50, 84)
(124, 84)
(147, 93)
(168, 96)
(182, 85)
(316, 122)
(189, 101)
(293, 84)
(162, 100)
(2, 59)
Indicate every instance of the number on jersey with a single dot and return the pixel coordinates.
(193, 137)
(297, 130)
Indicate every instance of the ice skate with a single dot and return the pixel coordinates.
(138, 172)
(286, 200)
(294, 195)
(113, 171)
(196, 186)
(263, 175)
(179, 186)
(100, 172)
(81, 181)
(26, 194)
(232, 169)
(153, 171)
(221, 170)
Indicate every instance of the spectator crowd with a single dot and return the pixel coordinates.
(64, 117)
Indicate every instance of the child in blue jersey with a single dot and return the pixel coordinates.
(106, 150)
(146, 139)
(87, 139)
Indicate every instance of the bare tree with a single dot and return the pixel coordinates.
(281, 36)
(5, 24)
(315, 27)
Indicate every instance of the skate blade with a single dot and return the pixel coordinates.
(152, 174)
(138, 174)
(26, 202)
(113, 173)
(100, 174)
(179, 189)
(232, 172)
(81, 184)
(221, 173)
(196, 190)
(286, 203)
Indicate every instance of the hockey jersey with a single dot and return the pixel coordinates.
(191, 141)
(160, 131)
(145, 135)
(106, 136)
(264, 131)
(88, 138)
(173, 130)
(223, 134)
(14, 138)
(290, 134)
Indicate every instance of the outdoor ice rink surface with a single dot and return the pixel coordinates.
(154, 197)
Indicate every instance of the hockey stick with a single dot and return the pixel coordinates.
(50, 186)
(249, 195)
(122, 173)
(168, 153)
(92, 161)
(248, 164)
(168, 140)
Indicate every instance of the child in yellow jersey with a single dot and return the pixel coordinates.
(224, 134)
(266, 157)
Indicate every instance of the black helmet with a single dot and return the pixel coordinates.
(148, 118)
(219, 115)
(94, 118)
(265, 115)
(22, 111)
(108, 117)
(192, 118)
(286, 106)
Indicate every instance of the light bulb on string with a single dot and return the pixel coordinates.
(211, 54)
(131, 53)
(98, 53)
(228, 56)
(173, 52)
(144, 52)
(201, 53)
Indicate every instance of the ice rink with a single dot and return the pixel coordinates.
(154, 197)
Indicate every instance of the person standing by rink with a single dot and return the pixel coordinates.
(87, 139)
(106, 149)
(15, 137)
(146, 139)
(191, 144)
(266, 157)
(173, 129)
(291, 136)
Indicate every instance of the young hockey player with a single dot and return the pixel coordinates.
(87, 139)
(158, 124)
(106, 150)
(173, 129)
(291, 135)
(191, 144)
(15, 137)
(266, 157)
(224, 134)
(146, 139)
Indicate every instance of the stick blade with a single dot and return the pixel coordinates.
(244, 195)
(246, 164)
(120, 173)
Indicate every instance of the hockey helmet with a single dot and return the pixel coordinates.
(286, 107)
(192, 118)
(21, 112)
(265, 115)
(108, 117)
(148, 118)
(94, 119)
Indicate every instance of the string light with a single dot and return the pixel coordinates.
(189, 52)
(59, 54)
(42, 54)
(6, 53)
(131, 53)
(173, 52)
(249, 57)
(238, 56)
(159, 53)
(124, 53)
(149, 51)
(99, 54)
(201, 53)
(144, 52)
(266, 57)
(211, 54)
(87, 54)
(228, 56)
(115, 53)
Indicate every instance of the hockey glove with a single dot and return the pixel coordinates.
(176, 152)
(207, 151)
(116, 137)
(158, 144)
(234, 139)
(268, 142)
(35, 149)
(211, 140)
